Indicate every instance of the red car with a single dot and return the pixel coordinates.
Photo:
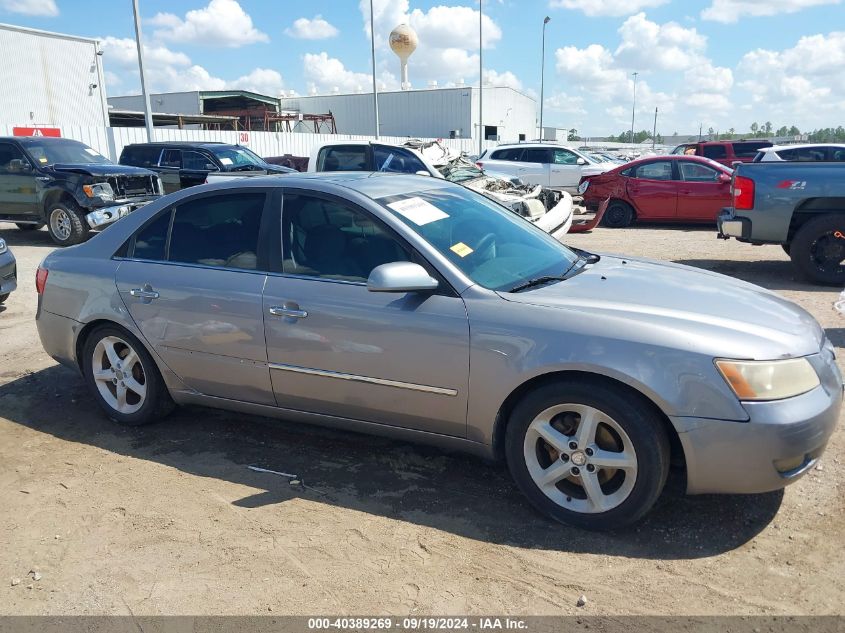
(660, 189)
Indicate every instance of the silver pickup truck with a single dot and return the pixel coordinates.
(800, 206)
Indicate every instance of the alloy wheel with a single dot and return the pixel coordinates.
(60, 224)
(119, 375)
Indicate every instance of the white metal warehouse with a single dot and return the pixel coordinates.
(509, 115)
(50, 79)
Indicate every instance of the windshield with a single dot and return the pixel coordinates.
(490, 244)
(232, 157)
(69, 152)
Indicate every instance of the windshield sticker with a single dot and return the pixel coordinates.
(43, 159)
(461, 249)
(226, 161)
(93, 152)
(418, 211)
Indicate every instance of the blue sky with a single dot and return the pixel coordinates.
(720, 63)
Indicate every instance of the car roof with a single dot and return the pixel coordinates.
(777, 148)
(185, 144)
(29, 140)
(675, 157)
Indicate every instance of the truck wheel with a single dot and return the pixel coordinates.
(66, 224)
(30, 227)
(587, 454)
(618, 215)
(818, 250)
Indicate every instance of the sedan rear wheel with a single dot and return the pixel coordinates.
(124, 378)
(588, 454)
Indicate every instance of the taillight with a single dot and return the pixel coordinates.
(41, 279)
(743, 193)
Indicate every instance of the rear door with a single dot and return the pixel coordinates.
(193, 281)
(18, 184)
(534, 166)
(337, 349)
(505, 161)
(653, 189)
(702, 194)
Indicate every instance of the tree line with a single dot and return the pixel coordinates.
(766, 130)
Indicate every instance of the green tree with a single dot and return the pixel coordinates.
(755, 128)
(767, 128)
(794, 131)
(782, 131)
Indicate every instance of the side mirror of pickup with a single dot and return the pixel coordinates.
(724, 178)
(19, 166)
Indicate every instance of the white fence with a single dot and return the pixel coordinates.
(110, 141)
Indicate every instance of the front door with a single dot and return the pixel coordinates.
(702, 193)
(337, 349)
(653, 189)
(193, 283)
(564, 171)
(18, 189)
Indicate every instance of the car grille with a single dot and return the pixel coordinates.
(132, 186)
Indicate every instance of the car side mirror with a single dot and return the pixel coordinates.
(581, 161)
(400, 277)
(724, 178)
(422, 172)
(19, 165)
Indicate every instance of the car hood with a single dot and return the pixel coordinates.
(98, 169)
(595, 169)
(685, 307)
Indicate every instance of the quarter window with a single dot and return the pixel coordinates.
(172, 158)
(512, 153)
(536, 155)
(332, 240)
(141, 155)
(343, 158)
(715, 151)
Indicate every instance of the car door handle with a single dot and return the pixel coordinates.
(293, 313)
(140, 293)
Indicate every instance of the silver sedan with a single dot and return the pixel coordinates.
(416, 308)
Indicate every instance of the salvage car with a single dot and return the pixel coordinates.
(8, 271)
(725, 152)
(185, 164)
(549, 209)
(662, 189)
(69, 186)
(419, 309)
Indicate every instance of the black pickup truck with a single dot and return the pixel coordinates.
(68, 186)
(185, 164)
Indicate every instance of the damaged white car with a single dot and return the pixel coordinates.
(549, 209)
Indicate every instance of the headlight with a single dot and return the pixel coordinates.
(582, 188)
(3, 247)
(101, 190)
(768, 380)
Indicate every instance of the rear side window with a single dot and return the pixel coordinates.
(343, 158)
(715, 151)
(172, 158)
(837, 154)
(394, 160)
(511, 153)
(536, 155)
(140, 155)
(804, 154)
(749, 150)
(660, 170)
(213, 231)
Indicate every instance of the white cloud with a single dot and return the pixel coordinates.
(221, 23)
(327, 74)
(613, 8)
(315, 29)
(709, 78)
(730, 11)
(172, 71)
(647, 45)
(44, 8)
(507, 78)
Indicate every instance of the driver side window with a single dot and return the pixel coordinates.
(8, 153)
(332, 240)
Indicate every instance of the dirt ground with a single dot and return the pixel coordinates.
(167, 519)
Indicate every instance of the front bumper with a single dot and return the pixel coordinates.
(729, 224)
(8, 273)
(103, 216)
(779, 443)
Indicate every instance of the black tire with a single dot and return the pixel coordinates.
(818, 253)
(157, 402)
(66, 223)
(618, 215)
(633, 414)
(30, 227)
(4, 297)
(786, 247)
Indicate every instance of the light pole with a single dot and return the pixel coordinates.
(148, 117)
(634, 108)
(543, 74)
(373, 48)
(654, 134)
(480, 86)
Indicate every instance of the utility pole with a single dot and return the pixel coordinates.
(543, 74)
(373, 48)
(480, 85)
(700, 130)
(148, 116)
(634, 108)
(654, 134)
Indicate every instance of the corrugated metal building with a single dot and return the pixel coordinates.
(50, 79)
(509, 115)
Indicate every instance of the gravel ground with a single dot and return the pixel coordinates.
(167, 519)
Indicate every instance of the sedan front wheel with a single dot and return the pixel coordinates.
(587, 454)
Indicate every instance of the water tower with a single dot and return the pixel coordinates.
(403, 42)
